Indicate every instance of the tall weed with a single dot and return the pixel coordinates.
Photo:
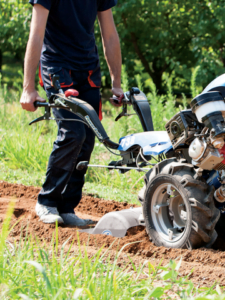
(194, 89)
(163, 107)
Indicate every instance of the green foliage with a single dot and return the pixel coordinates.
(208, 39)
(15, 18)
(156, 33)
(163, 107)
(30, 269)
(159, 37)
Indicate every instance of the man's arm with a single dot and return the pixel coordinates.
(32, 57)
(111, 47)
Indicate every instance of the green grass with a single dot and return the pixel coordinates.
(30, 269)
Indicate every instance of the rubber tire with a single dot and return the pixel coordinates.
(198, 198)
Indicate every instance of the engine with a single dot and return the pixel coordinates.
(198, 134)
(207, 149)
(202, 130)
(182, 128)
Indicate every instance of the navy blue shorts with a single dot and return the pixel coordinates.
(75, 141)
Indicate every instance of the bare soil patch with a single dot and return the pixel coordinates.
(208, 264)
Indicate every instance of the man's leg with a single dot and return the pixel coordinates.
(62, 161)
(71, 143)
(72, 193)
(66, 149)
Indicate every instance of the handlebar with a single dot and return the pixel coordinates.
(86, 112)
(77, 106)
(80, 108)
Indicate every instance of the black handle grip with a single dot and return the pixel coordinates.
(40, 104)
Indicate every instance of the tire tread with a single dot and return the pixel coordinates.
(204, 213)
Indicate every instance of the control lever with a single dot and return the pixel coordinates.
(122, 114)
(47, 114)
(46, 105)
(125, 99)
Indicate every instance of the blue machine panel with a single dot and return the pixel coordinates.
(152, 142)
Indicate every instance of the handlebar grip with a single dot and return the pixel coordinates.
(40, 104)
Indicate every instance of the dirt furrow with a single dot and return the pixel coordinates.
(209, 264)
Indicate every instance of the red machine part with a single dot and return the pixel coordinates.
(222, 151)
(71, 92)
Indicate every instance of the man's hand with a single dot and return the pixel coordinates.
(118, 92)
(28, 98)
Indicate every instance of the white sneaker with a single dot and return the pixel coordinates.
(48, 214)
(72, 219)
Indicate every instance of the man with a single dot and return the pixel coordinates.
(62, 38)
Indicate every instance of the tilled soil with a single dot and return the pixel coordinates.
(208, 264)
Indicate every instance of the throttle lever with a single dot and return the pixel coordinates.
(125, 99)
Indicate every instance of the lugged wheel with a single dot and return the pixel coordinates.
(178, 209)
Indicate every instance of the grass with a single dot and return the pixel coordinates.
(30, 269)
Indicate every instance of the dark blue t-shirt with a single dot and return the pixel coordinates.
(69, 37)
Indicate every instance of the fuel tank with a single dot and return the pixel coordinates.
(217, 84)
